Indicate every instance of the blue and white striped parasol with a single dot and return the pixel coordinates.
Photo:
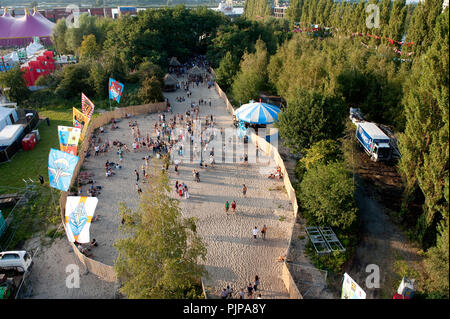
(257, 113)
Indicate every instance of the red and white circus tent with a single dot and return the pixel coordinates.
(21, 31)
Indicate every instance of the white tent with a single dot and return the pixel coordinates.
(33, 47)
(8, 116)
(10, 133)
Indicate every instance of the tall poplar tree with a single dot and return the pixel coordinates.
(425, 142)
(294, 12)
(423, 20)
(397, 18)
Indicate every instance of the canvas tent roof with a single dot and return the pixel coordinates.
(195, 71)
(170, 80)
(28, 26)
(174, 62)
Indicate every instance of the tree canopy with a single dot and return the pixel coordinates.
(158, 258)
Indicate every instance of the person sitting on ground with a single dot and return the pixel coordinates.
(102, 130)
(93, 243)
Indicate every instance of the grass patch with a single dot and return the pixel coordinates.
(39, 214)
(42, 211)
(31, 164)
(55, 233)
(282, 219)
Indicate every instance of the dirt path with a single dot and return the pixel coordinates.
(382, 244)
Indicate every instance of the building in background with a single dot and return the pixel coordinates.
(279, 8)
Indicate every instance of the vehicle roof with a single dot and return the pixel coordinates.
(374, 131)
(20, 252)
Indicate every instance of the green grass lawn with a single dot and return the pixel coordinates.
(31, 164)
(42, 212)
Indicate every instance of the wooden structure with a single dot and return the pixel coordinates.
(170, 83)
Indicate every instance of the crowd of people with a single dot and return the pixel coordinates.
(169, 139)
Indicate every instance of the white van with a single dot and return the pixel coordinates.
(18, 261)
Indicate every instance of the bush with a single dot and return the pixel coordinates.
(15, 81)
(74, 81)
(327, 196)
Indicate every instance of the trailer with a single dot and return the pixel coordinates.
(374, 141)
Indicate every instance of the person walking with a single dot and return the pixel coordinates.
(263, 232)
(250, 290)
(138, 189)
(244, 190)
(176, 169)
(233, 207)
(255, 233)
(186, 193)
(256, 283)
(197, 176)
(227, 207)
(176, 186)
(137, 175)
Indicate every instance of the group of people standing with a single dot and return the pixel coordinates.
(182, 190)
(252, 288)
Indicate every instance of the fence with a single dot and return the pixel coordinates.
(99, 269)
(271, 151)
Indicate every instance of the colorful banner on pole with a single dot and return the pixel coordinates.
(87, 106)
(68, 139)
(351, 290)
(80, 121)
(115, 90)
(78, 217)
(60, 169)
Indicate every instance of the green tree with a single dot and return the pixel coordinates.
(74, 36)
(254, 9)
(158, 258)
(58, 36)
(421, 28)
(89, 47)
(151, 90)
(437, 265)
(309, 118)
(323, 152)
(14, 80)
(425, 143)
(294, 11)
(327, 196)
(226, 72)
(397, 18)
(75, 79)
(98, 79)
(385, 12)
(252, 78)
